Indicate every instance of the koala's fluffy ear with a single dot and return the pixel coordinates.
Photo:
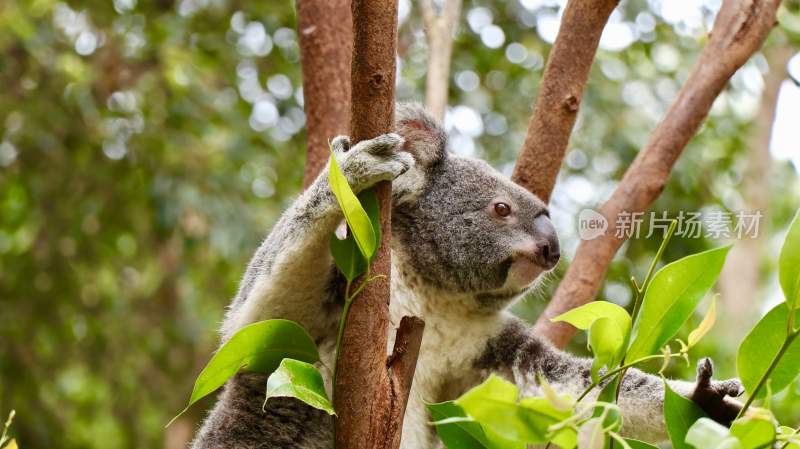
(425, 138)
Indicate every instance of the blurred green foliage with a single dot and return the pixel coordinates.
(146, 148)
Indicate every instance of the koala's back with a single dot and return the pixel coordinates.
(238, 422)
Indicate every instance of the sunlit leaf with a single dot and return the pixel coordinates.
(609, 329)
(794, 437)
(606, 339)
(354, 214)
(761, 346)
(706, 433)
(708, 322)
(672, 297)
(494, 405)
(679, 414)
(259, 347)
(754, 433)
(300, 380)
(582, 317)
(789, 264)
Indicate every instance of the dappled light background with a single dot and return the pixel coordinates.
(147, 147)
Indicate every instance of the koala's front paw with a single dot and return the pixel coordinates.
(715, 397)
(372, 161)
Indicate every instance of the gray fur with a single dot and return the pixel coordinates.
(457, 263)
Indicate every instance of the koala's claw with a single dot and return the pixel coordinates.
(373, 160)
(714, 397)
(340, 144)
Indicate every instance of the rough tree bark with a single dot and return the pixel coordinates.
(326, 46)
(371, 392)
(562, 87)
(439, 29)
(739, 30)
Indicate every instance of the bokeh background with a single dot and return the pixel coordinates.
(147, 146)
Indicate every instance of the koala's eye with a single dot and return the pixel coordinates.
(502, 209)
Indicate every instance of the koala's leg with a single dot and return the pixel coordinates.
(521, 354)
(291, 272)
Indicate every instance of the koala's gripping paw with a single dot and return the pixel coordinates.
(715, 397)
(372, 161)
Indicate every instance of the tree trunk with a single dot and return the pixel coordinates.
(560, 95)
(739, 30)
(371, 393)
(439, 28)
(326, 46)
(738, 282)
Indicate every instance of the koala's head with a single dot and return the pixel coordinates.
(462, 226)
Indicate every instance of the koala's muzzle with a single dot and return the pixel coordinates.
(547, 251)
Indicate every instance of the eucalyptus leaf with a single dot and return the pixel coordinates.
(706, 433)
(789, 264)
(457, 435)
(672, 297)
(679, 414)
(347, 257)
(754, 433)
(494, 405)
(259, 347)
(760, 347)
(356, 217)
(300, 380)
(582, 317)
(606, 339)
(794, 437)
(708, 322)
(345, 252)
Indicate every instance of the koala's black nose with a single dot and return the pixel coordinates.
(548, 252)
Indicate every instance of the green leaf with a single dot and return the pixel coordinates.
(706, 433)
(457, 435)
(356, 217)
(606, 339)
(680, 414)
(708, 322)
(636, 444)
(348, 257)
(671, 297)
(754, 433)
(789, 264)
(494, 405)
(582, 317)
(300, 380)
(609, 328)
(794, 437)
(760, 347)
(258, 347)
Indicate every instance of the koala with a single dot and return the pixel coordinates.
(466, 243)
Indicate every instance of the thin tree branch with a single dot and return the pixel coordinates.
(739, 30)
(369, 400)
(439, 29)
(562, 87)
(326, 46)
(402, 365)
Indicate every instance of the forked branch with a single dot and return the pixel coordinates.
(739, 31)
